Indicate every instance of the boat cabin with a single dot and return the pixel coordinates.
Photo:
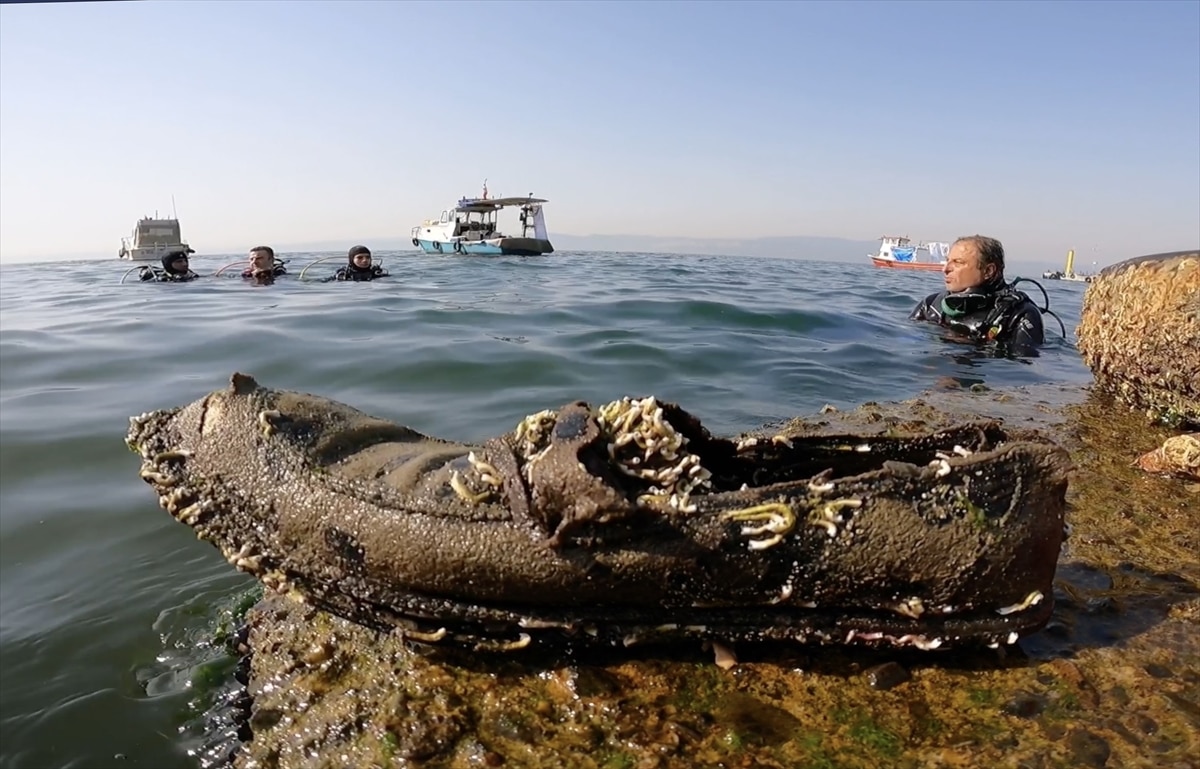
(475, 218)
(150, 233)
(897, 247)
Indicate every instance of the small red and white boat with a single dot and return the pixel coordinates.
(899, 253)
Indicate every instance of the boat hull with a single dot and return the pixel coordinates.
(1060, 276)
(898, 265)
(493, 247)
(149, 253)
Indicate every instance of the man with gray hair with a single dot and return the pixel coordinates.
(978, 302)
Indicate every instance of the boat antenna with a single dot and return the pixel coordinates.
(173, 214)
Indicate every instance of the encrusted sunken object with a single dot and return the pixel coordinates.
(1179, 456)
(1139, 332)
(618, 525)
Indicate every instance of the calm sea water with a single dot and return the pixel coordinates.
(107, 606)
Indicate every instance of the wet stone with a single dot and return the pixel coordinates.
(1057, 629)
(1006, 742)
(509, 727)
(1162, 746)
(1146, 724)
(265, 718)
(595, 682)
(1119, 695)
(1159, 671)
(1025, 705)
(886, 676)
(1085, 577)
(751, 717)
(1121, 731)
(1187, 707)
(1088, 749)
(427, 737)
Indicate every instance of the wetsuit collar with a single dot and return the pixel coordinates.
(980, 297)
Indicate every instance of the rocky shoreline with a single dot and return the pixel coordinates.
(1111, 681)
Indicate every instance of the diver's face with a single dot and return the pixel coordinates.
(261, 260)
(362, 261)
(179, 264)
(962, 268)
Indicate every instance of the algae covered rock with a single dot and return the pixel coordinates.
(1139, 332)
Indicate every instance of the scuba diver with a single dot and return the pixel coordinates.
(359, 267)
(175, 269)
(263, 268)
(979, 303)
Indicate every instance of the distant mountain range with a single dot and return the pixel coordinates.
(788, 247)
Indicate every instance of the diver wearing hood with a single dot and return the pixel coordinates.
(978, 302)
(175, 269)
(359, 267)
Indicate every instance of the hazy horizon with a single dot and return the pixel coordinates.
(796, 247)
(701, 123)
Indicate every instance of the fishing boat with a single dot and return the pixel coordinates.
(898, 252)
(151, 239)
(1069, 273)
(470, 228)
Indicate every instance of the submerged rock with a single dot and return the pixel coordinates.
(1139, 332)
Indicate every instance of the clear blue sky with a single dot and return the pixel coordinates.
(1050, 125)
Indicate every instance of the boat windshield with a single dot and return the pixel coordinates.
(157, 233)
(474, 224)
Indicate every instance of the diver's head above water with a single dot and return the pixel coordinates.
(176, 262)
(262, 259)
(359, 258)
(975, 262)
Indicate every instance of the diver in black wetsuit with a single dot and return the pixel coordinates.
(263, 264)
(359, 267)
(175, 269)
(263, 267)
(979, 303)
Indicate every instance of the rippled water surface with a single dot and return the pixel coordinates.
(108, 607)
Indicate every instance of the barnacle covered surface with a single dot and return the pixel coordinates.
(643, 445)
(1178, 455)
(1111, 682)
(618, 526)
(1139, 332)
